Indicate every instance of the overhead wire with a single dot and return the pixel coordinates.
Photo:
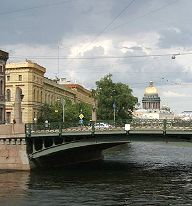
(104, 57)
(35, 7)
(106, 27)
(146, 14)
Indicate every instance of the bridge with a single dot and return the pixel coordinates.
(55, 144)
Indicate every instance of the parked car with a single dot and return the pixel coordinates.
(102, 125)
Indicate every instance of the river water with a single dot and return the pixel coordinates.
(135, 174)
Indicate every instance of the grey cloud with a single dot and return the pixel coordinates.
(95, 51)
(83, 21)
(49, 24)
(172, 38)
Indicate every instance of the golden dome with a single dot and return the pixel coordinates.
(151, 90)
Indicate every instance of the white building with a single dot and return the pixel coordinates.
(151, 106)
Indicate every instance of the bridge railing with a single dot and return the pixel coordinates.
(162, 124)
(152, 124)
(179, 125)
(135, 125)
(32, 129)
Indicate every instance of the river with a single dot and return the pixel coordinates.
(135, 174)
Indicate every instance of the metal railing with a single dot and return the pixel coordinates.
(33, 129)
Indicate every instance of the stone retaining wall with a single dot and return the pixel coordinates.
(13, 154)
(13, 151)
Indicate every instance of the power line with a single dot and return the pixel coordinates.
(107, 26)
(35, 7)
(113, 20)
(103, 57)
(144, 15)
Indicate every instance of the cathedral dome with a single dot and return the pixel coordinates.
(151, 90)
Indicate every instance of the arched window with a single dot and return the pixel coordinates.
(34, 95)
(8, 95)
(45, 98)
(41, 97)
(51, 99)
(37, 95)
(1, 87)
(1, 68)
(48, 101)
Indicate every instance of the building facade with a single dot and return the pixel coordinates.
(3, 59)
(151, 106)
(82, 94)
(151, 99)
(35, 90)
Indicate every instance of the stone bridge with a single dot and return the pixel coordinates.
(31, 145)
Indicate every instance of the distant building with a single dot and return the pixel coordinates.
(3, 59)
(151, 106)
(151, 99)
(36, 90)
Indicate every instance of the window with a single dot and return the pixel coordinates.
(45, 98)
(20, 77)
(1, 68)
(8, 95)
(37, 95)
(8, 117)
(41, 97)
(8, 78)
(34, 95)
(1, 115)
(1, 87)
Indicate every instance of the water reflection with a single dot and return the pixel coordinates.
(139, 174)
(13, 186)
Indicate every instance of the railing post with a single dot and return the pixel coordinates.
(60, 129)
(33, 147)
(43, 143)
(164, 126)
(93, 129)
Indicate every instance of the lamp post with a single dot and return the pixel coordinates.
(63, 107)
(63, 104)
(114, 113)
(114, 106)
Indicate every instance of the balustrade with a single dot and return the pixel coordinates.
(136, 124)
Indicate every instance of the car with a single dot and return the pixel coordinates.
(102, 125)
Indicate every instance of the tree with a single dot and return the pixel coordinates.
(110, 95)
(54, 113)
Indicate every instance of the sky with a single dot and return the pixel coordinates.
(84, 40)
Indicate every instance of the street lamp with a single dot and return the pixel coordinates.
(63, 104)
(63, 107)
(114, 106)
(114, 113)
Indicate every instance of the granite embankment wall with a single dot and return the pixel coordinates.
(13, 153)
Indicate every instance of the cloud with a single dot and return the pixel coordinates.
(175, 94)
(82, 28)
(174, 37)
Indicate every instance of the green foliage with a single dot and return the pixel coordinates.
(109, 94)
(54, 113)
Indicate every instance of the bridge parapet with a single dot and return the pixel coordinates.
(164, 124)
(152, 124)
(32, 130)
(59, 129)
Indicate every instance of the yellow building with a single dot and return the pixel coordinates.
(35, 90)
